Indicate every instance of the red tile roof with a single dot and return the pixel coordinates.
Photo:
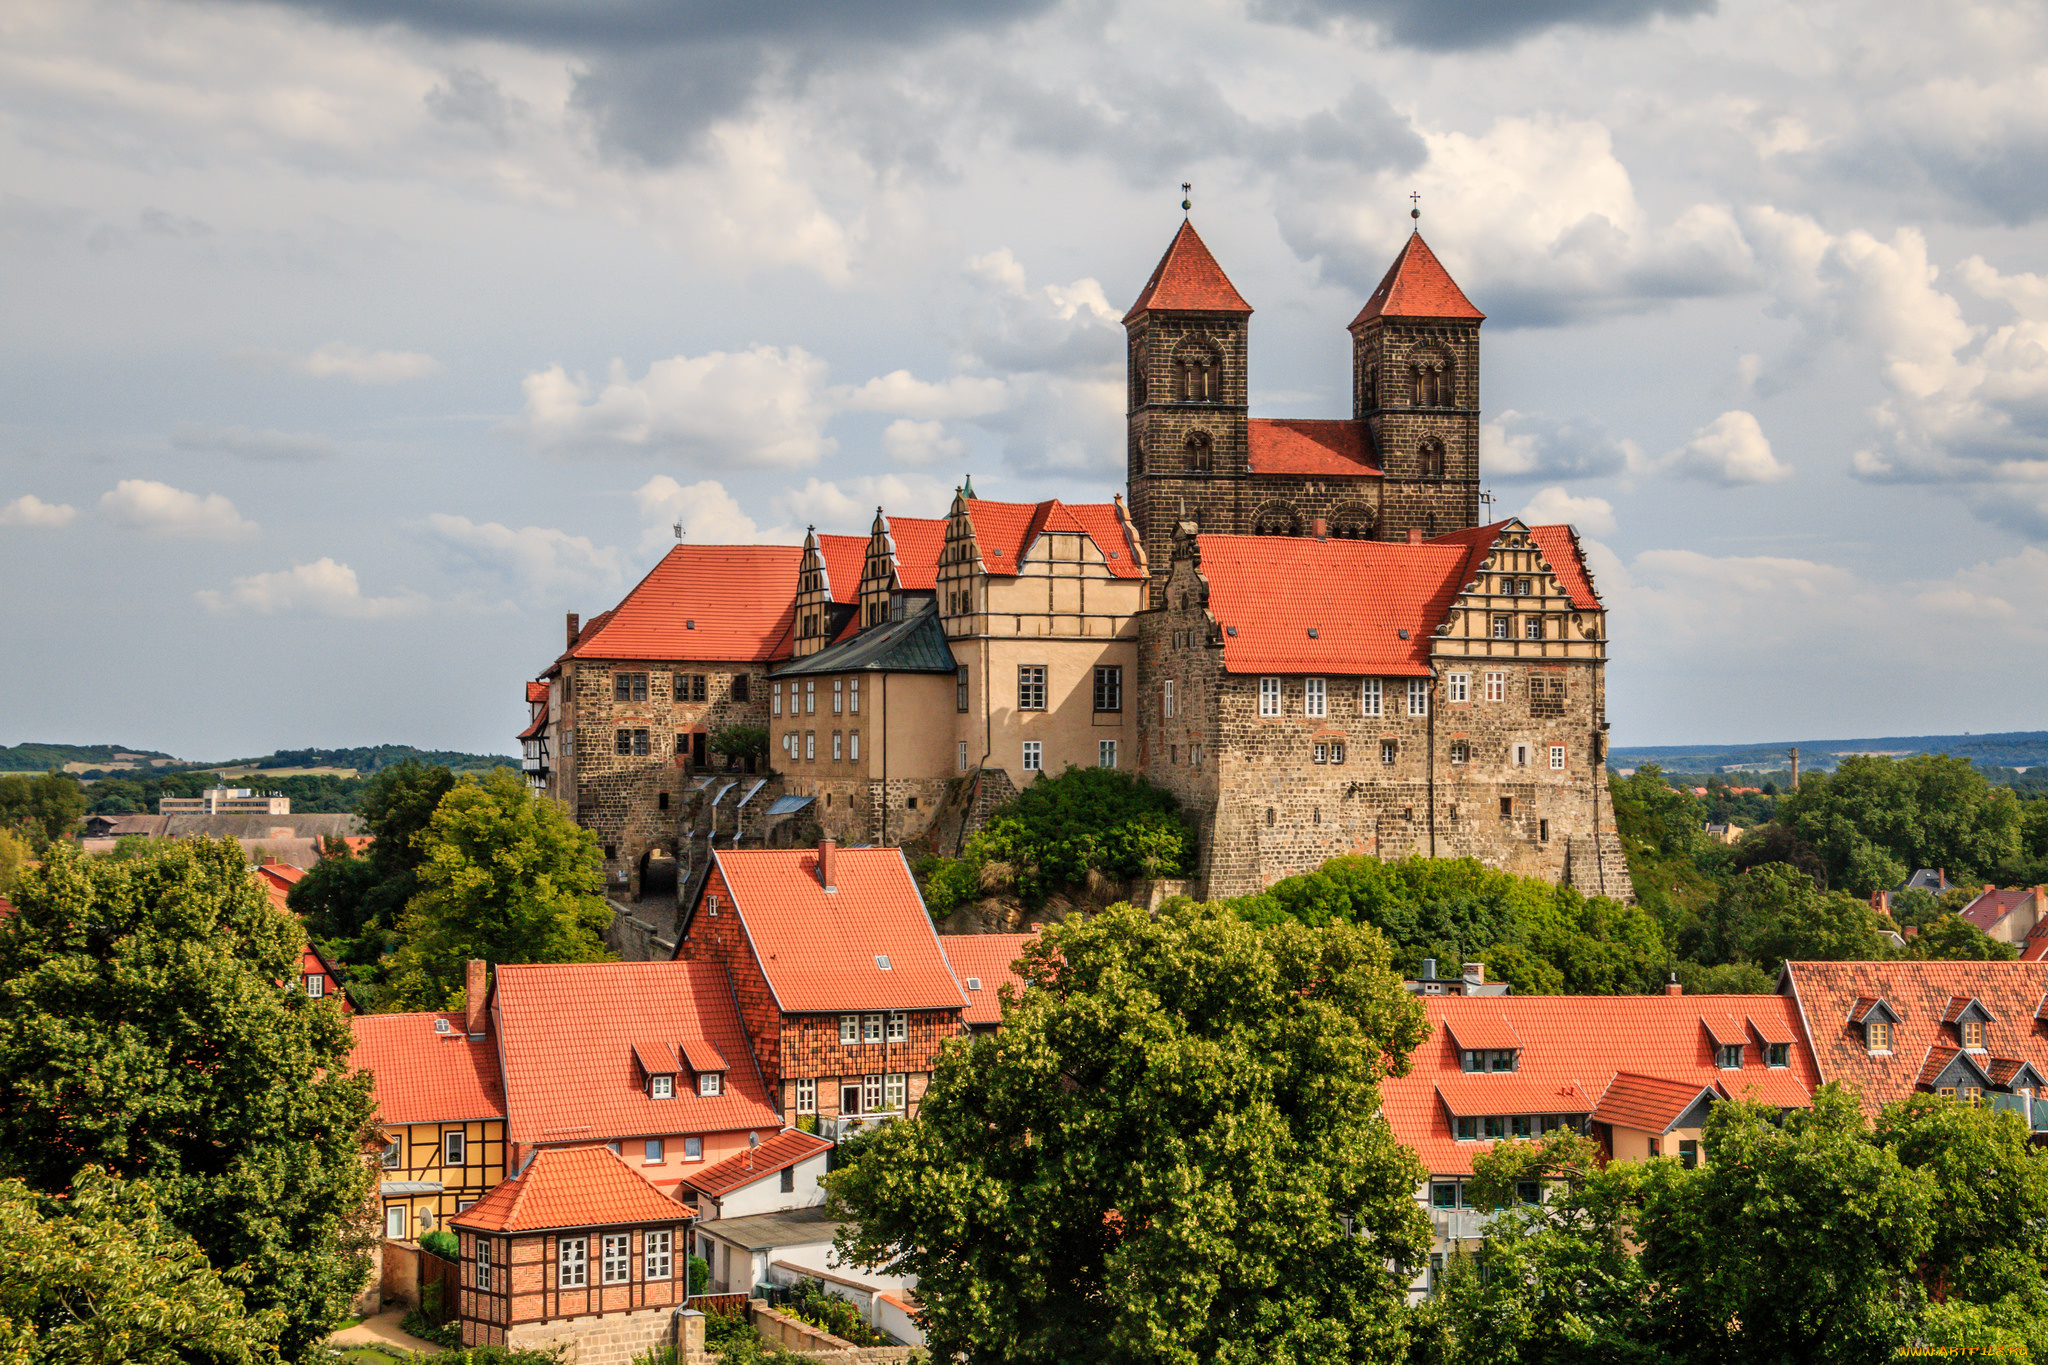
(986, 958)
(427, 1077)
(918, 541)
(1579, 1041)
(741, 598)
(1483, 1031)
(2036, 946)
(1004, 532)
(845, 557)
(1187, 279)
(536, 725)
(1560, 546)
(536, 691)
(1357, 595)
(786, 1148)
(1773, 1027)
(1994, 905)
(1416, 285)
(818, 948)
(1648, 1104)
(1725, 1029)
(1321, 449)
(1830, 993)
(569, 1030)
(571, 1187)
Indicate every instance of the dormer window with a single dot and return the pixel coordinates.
(711, 1083)
(1875, 1018)
(661, 1087)
(1488, 1059)
(1877, 1036)
(1973, 1034)
(1729, 1057)
(1778, 1054)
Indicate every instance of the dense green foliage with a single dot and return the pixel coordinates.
(1874, 820)
(740, 742)
(375, 758)
(152, 1023)
(41, 808)
(39, 758)
(809, 1301)
(311, 793)
(15, 853)
(1157, 1158)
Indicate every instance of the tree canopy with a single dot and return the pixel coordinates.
(1874, 820)
(1158, 1157)
(43, 808)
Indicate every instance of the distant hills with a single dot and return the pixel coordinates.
(2011, 749)
(39, 758)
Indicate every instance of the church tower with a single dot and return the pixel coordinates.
(1188, 453)
(1415, 383)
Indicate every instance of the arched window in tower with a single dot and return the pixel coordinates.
(1430, 458)
(1138, 361)
(1201, 453)
(1429, 382)
(1276, 519)
(1199, 374)
(1352, 521)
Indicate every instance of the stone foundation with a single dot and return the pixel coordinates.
(614, 1339)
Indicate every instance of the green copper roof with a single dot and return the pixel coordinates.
(916, 644)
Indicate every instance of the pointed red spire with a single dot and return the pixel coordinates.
(1417, 286)
(1187, 279)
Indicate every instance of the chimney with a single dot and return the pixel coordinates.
(1672, 987)
(1322, 528)
(1475, 972)
(1429, 969)
(473, 990)
(1910, 931)
(575, 625)
(828, 864)
(1415, 535)
(1795, 767)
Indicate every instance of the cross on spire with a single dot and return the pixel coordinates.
(1415, 212)
(1187, 198)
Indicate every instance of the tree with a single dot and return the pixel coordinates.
(506, 877)
(44, 807)
(1953, 939)
(14, 855)
(1058, 830)
(741, 743)
(1875, 819)
(1156, 1159)
(1772, 913)
(100, 1277)
(151, 1022)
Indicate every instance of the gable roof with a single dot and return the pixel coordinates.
(1649, 1104)
(571, 1187)
(702, 602)
(844, 558)
(1994, 904)
(1572, 1049)
(1004, 532)
(918, 541)
(987, 959)
(536, 692)
(785, 1149)
(1416, 285)
(1325, 449)
(818, 948)
(569, 1031)
(423, 1076)
(1187, 279)
(1832, 997)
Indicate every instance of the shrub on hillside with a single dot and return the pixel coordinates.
(1059, 829)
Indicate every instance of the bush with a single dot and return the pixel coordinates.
(700, 1274)
(741, 742)
(501, 1355)
(419, 1324)
(946, 883)
(442, 1243)
(809, 1301)
(1105, 820)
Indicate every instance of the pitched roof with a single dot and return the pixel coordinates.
(1831, 994)
(983, 964)
(1648, 1104)
(569, 1031)
(536, 725)
(1773, 1027)
(536, 691)
(818, 949)
(1578, 1041)
(786, 1148)
(1416, 285)
(1187, 279)
(918, 541)
(424, 1076)
(1004, 532)
(1560, 546)
(1483, 1031)
(702, 602)
(844, 557)
(915, 644)
(1994, 905)
(1725, 1029)
(571, 1187)
(1324, 449)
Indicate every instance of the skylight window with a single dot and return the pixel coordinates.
(973, 983)
(882, 961)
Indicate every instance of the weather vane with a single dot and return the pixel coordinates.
(1415, 199)
(679, 530)
(1187, 198)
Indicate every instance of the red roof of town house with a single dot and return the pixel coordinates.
(1995, 904)
(2035, 947)
(786, 1148)
(819, 949)
(569, 1031)
(1187, 279)
(1773, 1027)
(1416, 285)
(536, 691)
(702, 602)
(1481, 1031)
(571, 1187)
(536, 725)
(1004, 532)
(983, 963)
(1648, 1104)
(844, 557)
(1319, 449)
(359, 844)
(1572, 1048)
(278, 879)
(1831, 994)
(425, 1076)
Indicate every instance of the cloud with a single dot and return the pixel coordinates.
(909, 442)
(322, 588)
(764, 406)
(1520, 445)
(1592, 516)
(709, 516)
(900, 391)
(30, 510)
(241, 442)
(1463, 25)
(146, 505)
(848, 505)
(535, 560)
(1055, 328)
(1732, 451)
(339, 360)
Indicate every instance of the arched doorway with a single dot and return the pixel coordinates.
(657, 874)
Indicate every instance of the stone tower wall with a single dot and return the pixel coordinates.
(1164, 487)
(1383, 352)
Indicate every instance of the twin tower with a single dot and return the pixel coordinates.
(1406, 461)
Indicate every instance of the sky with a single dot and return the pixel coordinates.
(348, 344)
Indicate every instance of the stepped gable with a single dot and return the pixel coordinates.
(1312, 448)
(1416, 285)
(1004, 533)
(571, 1187)
(1187, 279)
(1560, 547)
(423, 1075)
(702, 602)
(918, 541)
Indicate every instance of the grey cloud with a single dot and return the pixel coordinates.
(468, 96)
(1527, 447)
(1463, 25)
(284, 447)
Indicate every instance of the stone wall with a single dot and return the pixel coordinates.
(614, 1339)
(1411, 498)
(638, 939)
(780, 1329)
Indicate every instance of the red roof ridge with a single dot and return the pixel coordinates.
(1416, 285)
(1187, 279)
(786, 1148)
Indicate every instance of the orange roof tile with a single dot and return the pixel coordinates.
(1919, 993)
(786, 1148)
(703, 602)
(983, 964)
(845, 557)
(1322, 449)
(536, 691)
(536, 725)
(702, 1057)
(1773, 1028)
(1004, 532)
(424, 1076)
(1476, 1096)
(1725, 1029)
(569, 1030)
(1581, 1041)
(1648, 1104)
(818, 949)
(571, 1187)
(1416, 285)
(1187, 279)
(1357, 595)
(1560, 546)
(918, 541)
(1482, 1031)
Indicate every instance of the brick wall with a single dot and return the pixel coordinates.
(525, 1301)
(719, 937)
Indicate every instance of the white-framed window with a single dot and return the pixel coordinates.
(807, 1095)
(572, 1260)
(1389, 751)
(1521, 755)
(1458, 687)
(1336, 751)
(1105, 753)
(618, 1257)
(1031, 687)
(853, 746)
(1557, 758)
(895, 1090)
(838, 696)
(451, 1149)
(838, 746)
(1418, 696)
(693, 1149)
(1503, 627)
(1322, 753)
(392, 1151)
(899, 1026)
(1532, 628)
(853, 696)
(1034, 756)
(810, 696)
(810, 744)
(962, 749)
(483, 1263)
(775, 699)
(711, 905)
(1315, 698)
(316, 984)
(849, 1028)
(870, 1094)
(871, 1028)
(659, 1258)
(1461, 752)
(661, 1087)
(1269, 696)
(1166, 701)
(1369, 697)
(395, 1216)
(711, 1083)
(653, 1152)
(1496, 687)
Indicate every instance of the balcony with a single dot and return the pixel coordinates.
(846, 1125)
(1453, 1225)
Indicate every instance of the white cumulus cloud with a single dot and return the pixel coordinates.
(321, 588)
(848, 505)
(536, 560)
(708, 514)
(902, 392)
(764, 406)
(146, 505)
(30, 510)
(1592, 516)
(910, 442)
(1732, 451)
